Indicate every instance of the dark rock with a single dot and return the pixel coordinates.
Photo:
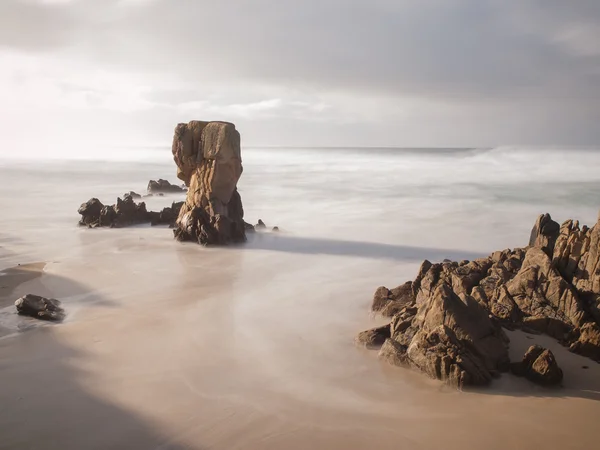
(132, 195)
(168, 216)
(125, 212)
(40, 308)
(275, 229)
(540, 366)
(163, 187)
(260, 225)
(90, 212)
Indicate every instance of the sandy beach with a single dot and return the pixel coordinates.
(175, 346)
(216, 369)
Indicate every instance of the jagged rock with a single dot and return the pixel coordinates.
(163, 187)
(209, 161)
(128, 213)
(572, 243)
(40, 308)
(124, 213)
(390, 302)
(446, 336)
(168, 216)
(249, 227)
(260, 225)
(541, 294)
(90, 212)
(132, 195)
(588, 343)
(544, 234)
(540, 366)
(374, 338)
(445, 322)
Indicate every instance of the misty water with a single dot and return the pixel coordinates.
(253, 344)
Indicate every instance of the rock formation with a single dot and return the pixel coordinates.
(447, 322)
(125, 213)
(209, 162)
(163, 187)
(40, 308)
(132, 195)
(540, 366)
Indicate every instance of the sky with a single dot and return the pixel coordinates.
(76, 75)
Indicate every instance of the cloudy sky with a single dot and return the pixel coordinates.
(301, 72)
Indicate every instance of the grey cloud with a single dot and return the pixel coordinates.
(505, 58)
(454, 48)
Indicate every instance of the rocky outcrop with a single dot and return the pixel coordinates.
(40, 308)
(540, 366)
(208, 159)
(440, 329)
(125, 212)
(447, 321)
(163, 187)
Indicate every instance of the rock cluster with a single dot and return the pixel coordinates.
(447, 322)
(124, 213)
(163, 187)
(40, 308)
(209, 162)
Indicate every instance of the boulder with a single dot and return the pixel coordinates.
(40, 308)
(539, 366)
(132, 195)
(208, 159)
(90, 212)
(374, 338)
(163, 187)
(260, 225)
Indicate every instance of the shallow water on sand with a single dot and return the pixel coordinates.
(177, 346)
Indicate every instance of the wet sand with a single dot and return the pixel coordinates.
(178, 347)
(12, 278)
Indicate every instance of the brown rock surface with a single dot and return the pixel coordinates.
(539, 365)
(446, 322)
(208, 159)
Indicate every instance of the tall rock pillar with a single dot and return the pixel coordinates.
(209, 161)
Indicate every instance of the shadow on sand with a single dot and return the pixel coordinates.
(280, 242)
(45, 403)
(46, 407)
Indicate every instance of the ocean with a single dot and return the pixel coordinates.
(173, 345)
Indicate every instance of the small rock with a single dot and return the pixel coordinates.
(275, 229)
(539, 366)
(163, 187)
(374, 338)
(132, 195)
(40, 308)
(260, 225)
